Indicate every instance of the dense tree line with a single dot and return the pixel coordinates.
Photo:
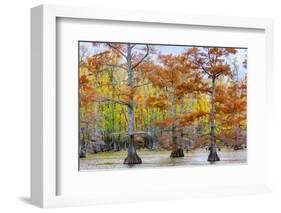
(133, 95)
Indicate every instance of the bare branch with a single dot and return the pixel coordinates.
(219, 73)
(141, 60)
(140, 85)
(205, 70)
(105, 98)
(112, 65)
(119, 101)
(118, 50)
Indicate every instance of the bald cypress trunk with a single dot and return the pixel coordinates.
(213, 155)
(132, 157)
(177, 150)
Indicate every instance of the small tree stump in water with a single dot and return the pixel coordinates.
(82, 154)
(82, 150)
(177, 153)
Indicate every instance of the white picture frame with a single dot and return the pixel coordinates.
(44, 153)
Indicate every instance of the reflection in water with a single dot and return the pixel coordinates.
(162, 159)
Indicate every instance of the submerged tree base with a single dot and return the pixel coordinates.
(213, 156)
(132, 159)
(177, 153)
(82, 155)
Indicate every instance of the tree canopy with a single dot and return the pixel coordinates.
(137, 95)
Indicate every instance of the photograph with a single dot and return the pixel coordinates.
(161, 105)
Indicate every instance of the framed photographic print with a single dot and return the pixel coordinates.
(154, 106)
